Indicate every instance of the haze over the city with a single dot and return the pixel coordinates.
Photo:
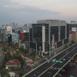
(27, 11)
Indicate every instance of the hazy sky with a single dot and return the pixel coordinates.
(25, 11)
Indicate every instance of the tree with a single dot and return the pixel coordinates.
(22, 49)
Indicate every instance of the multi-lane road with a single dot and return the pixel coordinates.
(56, 68)
(50, 68)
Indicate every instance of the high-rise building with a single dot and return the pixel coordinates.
(49, 34)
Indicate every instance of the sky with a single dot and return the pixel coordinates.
(29, 11)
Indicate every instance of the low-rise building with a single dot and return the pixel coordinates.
(13, 65)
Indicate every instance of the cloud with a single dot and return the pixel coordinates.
(10, 12)
(24, 15)
(23, 11)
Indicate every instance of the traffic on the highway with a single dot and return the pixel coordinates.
(53, 65)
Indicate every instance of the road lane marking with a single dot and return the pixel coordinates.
(55, 63)
(46, 61)
(64, 65)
